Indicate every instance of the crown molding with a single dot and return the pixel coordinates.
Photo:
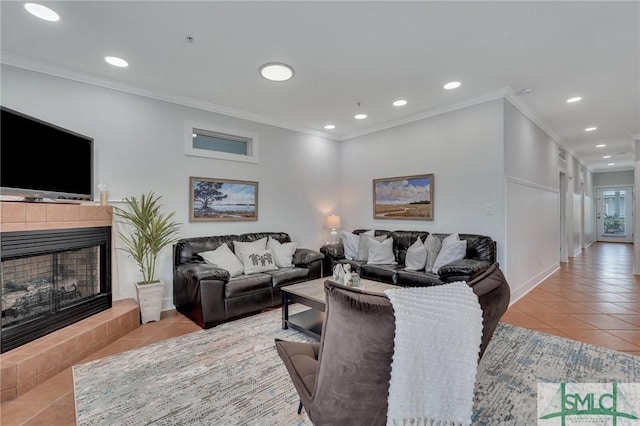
(43, 68)
(498, 94)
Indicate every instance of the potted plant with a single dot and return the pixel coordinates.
(148, 231)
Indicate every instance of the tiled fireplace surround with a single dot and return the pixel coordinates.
(27, 366)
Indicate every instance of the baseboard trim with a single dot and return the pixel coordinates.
(526, 287)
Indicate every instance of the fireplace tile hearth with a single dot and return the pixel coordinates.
(29, 365)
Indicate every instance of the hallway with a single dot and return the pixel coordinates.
(594, 298)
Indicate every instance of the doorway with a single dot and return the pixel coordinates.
(614, 214)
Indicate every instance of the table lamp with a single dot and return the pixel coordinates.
(333, 223)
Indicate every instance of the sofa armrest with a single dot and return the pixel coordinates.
(203, 271)
(303, 257)
(334, 251)
(463, 270)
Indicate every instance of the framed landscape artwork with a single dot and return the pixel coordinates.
(405, 197)
(222, 200)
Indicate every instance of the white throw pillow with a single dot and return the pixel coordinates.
(282, 252)
(240, 246)
(416, 256)
(363, 245)
(223, 258)
(452, 249)
(433, 245)
(351, 242)
(258, 261)
(380, 252)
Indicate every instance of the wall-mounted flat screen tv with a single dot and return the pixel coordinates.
(39, 160)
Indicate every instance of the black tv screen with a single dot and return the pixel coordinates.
(41, 160)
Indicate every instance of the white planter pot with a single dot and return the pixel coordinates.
(150, 301)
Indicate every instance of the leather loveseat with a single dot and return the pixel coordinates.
(208, 295)
(480, 255)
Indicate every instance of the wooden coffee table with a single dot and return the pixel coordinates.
(311, 294)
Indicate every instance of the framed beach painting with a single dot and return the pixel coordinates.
(405, 197)
(222, 200)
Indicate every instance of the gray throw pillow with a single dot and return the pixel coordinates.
(363, 246)
(433, 245)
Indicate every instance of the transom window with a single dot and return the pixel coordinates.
(225, 144)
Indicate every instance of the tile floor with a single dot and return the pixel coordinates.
(594, 298)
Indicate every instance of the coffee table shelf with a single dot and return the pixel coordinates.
(308, 322)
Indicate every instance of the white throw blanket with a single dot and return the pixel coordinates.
(435, 358)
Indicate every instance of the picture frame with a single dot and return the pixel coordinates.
(222, 200)
(404, 197)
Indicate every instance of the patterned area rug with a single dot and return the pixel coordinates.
(232, 375)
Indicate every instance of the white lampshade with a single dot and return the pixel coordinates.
(333, 222)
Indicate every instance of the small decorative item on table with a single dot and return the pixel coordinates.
(355, 280)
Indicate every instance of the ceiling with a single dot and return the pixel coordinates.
(345, 53)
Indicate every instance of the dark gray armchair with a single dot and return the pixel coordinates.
(344, 379)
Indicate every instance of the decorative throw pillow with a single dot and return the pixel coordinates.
(282, 252)
(416, 256)
(240, 246)
(351, 241)
(258, 261)
(432, 244)
(452, 249)
(223, 258)
(363, 245)
(380, 252)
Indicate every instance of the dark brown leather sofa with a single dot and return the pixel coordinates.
(208, 296)
(480, 255)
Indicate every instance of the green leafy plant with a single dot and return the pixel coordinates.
(150, 231)
(613, 224)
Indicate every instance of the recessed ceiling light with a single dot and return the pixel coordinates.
(276, 71)
(601, 145)
(42, 12)
(360, 116)
(116, 62)
(590, 129)
(575, 99)
(329, 126)
(606, 156)
(611, 164)
(399, 102)
(452, 85)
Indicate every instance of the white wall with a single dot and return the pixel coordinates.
(532, 202)
(589, 235)
(463, 149)
(613, 178)
(139, 147)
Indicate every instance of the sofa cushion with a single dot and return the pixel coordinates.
(452, 249)
(223, 258)
(241, 246)
(282, 252)
(402, 240)
(258, 261)
(247, 284)
(355, 265)
(363, 245)
(433, 245)
(417, 279)
(285, 276)
(384, 273)
(351, 243)
(381, 252)
(416, 256)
